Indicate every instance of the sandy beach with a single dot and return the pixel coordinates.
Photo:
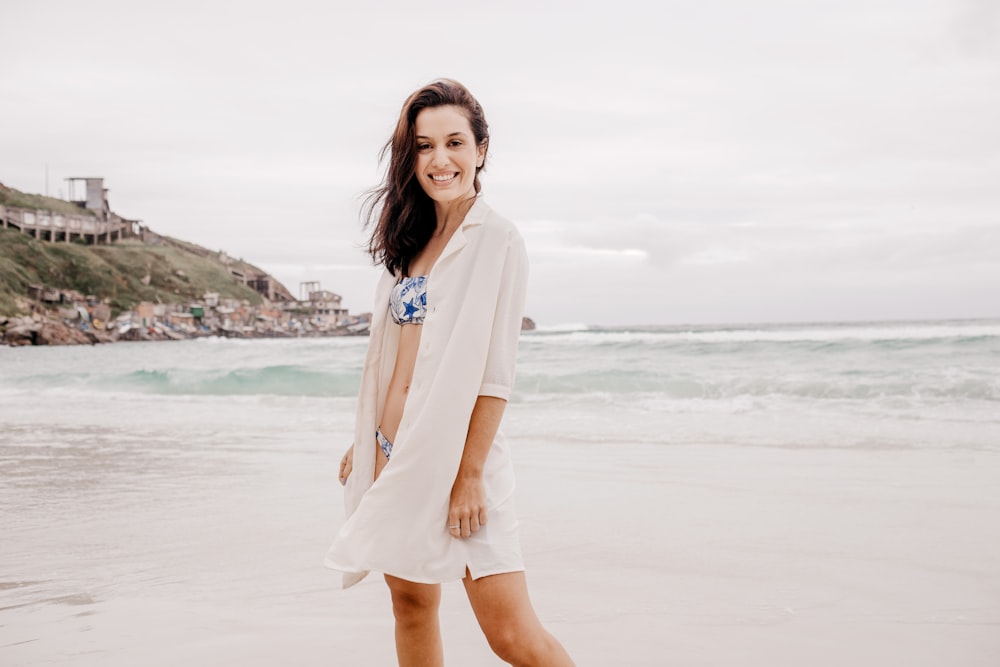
(692, 556)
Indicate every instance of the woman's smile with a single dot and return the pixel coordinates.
(444, 179)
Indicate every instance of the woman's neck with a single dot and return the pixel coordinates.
(451, 214)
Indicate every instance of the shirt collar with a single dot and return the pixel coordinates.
(476, 214)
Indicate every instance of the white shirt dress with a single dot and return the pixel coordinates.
(397, 524)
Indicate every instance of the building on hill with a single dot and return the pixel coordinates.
(325, 306)
(95, 195)
(263, 284)
(322, 309)
(48, 219)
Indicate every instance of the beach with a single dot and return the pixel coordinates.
(780, 495)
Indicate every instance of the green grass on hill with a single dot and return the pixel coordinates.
(113, 271)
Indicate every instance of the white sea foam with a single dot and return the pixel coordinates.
(562, 328)
(772, 333)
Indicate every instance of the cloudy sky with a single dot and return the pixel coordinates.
(677, 162)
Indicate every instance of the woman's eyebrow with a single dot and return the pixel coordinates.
(453, 134)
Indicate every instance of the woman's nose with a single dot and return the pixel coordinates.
(439, 157)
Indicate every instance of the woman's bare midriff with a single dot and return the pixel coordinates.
(399, 387)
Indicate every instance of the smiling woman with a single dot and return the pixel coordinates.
(448, 157)
(429, 480)
(439, 128)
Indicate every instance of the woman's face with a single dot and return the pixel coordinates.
(447, 154)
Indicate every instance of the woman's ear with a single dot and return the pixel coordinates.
(481, 153)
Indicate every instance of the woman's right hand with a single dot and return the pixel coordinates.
(346, 465)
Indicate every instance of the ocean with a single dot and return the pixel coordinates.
(193, 484)
(912, 384)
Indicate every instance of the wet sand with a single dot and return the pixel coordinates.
(642, 555)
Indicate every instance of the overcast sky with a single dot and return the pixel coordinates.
(674, 162)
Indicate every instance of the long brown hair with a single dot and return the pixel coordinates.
(399, 211)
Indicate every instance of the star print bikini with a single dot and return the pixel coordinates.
(407, 305)
(408, 301)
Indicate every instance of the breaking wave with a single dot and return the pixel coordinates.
(281, 380)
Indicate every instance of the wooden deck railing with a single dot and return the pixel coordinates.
(52, 226)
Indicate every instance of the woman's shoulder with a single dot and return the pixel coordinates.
(494, 224)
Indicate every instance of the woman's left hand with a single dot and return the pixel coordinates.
(467, 511)
(346, 465)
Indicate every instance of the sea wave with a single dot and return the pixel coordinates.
(631, 383)
(540, 381)
(279, 380)
(882, 333)
(561, 328)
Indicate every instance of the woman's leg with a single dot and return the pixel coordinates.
(418, 634)
(505, 614)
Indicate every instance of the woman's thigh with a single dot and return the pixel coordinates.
(501, 603)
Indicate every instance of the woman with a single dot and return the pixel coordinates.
(429, 481)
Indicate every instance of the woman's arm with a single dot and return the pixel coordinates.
(501, 360)
(467, 511)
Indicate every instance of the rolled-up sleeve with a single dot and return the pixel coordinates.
(501, 360)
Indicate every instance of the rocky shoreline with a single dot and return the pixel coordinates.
(46, 329)
(39, 329)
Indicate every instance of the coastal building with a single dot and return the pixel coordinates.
(325, 308)
(87, 216)
(145, 312)
(261, 283)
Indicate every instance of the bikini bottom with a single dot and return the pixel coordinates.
(383, 442)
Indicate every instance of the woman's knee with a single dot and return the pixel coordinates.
(413, 603)
(518, 645)
(505, 643)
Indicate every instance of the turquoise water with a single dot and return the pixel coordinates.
(879, 384)
(919, 361)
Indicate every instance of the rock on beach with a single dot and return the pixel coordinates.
(37, 330)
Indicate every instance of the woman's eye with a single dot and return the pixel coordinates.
(455, 142)
(423, 147)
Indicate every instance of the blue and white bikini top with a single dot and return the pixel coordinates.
(408, 300)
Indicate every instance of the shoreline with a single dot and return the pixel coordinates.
(44, 330)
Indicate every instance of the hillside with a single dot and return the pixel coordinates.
(126, 273)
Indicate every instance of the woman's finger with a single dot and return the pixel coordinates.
(346, 465)
(454, 523)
